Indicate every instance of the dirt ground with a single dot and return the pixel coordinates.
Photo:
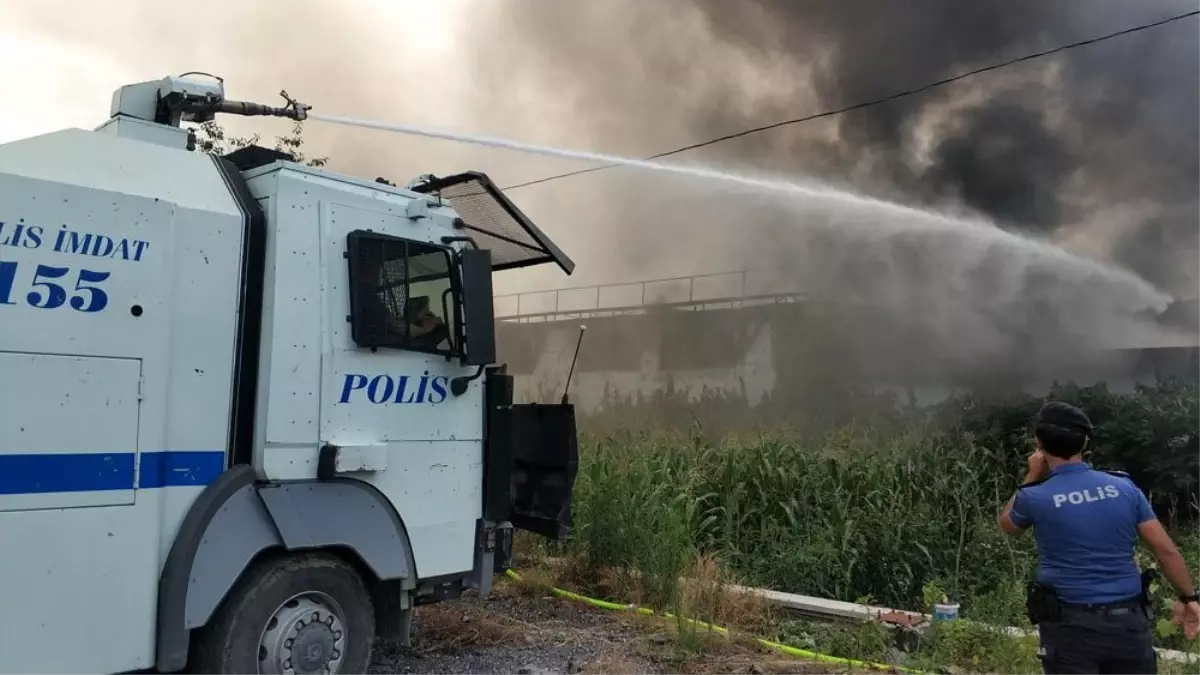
(512, 633)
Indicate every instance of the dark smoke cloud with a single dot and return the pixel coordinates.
(1127, 108)
(1048, 146)
(1098, 144)
(1004, 163)
(1095, 147)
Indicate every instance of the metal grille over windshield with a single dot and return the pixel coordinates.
(495, 223)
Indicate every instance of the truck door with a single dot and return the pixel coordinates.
(530, 449)
(388, 403)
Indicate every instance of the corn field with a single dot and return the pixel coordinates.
(868, 514)
(846, 519)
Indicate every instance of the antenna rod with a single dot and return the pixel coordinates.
(571, 374)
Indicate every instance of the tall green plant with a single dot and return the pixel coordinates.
(860, 512)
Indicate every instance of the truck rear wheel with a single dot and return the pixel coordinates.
(307, 613)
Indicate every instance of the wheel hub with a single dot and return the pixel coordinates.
(306, 634)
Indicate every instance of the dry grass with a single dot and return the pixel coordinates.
(676, 646)
(637, 640)
(537, 582)
(525, 547)
(706, 590)
(712, 665)
(706, 593)
(711, 653)
(714, 653)
(445, 627)
(616, 662)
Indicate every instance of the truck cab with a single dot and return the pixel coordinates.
(250, 410)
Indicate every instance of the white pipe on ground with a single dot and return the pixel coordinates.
(836, 609)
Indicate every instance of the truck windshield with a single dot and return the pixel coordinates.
(414, 288)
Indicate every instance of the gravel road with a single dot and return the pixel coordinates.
(512, 633)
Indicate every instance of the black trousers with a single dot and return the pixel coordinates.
(1116, 640)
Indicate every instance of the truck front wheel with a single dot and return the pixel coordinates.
(307, 613)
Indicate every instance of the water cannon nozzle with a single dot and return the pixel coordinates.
(298, 111)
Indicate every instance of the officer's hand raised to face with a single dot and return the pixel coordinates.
(1038, 468)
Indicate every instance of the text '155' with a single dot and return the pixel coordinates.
(53, 287)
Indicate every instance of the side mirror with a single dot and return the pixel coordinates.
(479, 339)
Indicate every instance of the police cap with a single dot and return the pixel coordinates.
(1064, 415)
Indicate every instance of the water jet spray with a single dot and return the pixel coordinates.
(883, 215)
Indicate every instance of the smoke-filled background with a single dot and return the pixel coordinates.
(1097, 146)
(1094, 148)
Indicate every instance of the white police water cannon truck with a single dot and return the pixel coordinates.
(250, 414)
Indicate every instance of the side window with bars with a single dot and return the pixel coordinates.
(403, 294)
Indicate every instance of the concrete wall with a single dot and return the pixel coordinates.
(639, 371)
(786, 353)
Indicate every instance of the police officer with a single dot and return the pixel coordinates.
(1089, 600)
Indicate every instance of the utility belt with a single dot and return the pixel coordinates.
(1043, 604)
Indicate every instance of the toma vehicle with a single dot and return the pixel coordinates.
(249, 410)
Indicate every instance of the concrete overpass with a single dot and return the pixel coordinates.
(746, 334)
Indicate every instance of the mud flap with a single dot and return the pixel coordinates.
(531, 455)
(545, 461)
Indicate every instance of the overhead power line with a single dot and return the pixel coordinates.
(874, 102)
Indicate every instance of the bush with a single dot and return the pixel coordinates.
(1152, 434)
(848, 519)
(865, 512)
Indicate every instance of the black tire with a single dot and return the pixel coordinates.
(230, 641)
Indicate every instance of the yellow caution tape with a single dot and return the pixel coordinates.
(791, 651)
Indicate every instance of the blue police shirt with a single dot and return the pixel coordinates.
(1085, 524)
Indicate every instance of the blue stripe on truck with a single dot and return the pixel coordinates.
(99, 472)
(181, 468)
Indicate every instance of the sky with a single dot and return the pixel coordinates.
(1095, 150)
(385, 60)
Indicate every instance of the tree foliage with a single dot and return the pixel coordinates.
(1151, 433)
(212, 138)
